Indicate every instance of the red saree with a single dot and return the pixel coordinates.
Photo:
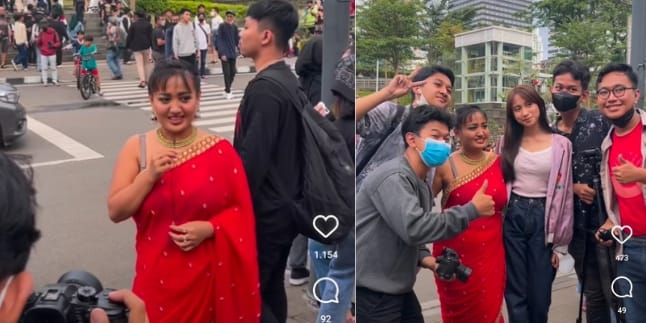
(480, 247)
(218, 280)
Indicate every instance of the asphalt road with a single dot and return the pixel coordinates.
(73, 147)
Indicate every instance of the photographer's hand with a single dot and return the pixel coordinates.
(190, 234)
(429, 262)
(133, 303)
(585, 193)
(605, 227)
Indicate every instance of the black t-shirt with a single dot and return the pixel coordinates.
(158, 33)
(267, 137)
(589, 130)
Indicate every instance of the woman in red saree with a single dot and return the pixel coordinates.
(187, 192)
(480, 247)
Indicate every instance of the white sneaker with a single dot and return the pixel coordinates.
(229, 96)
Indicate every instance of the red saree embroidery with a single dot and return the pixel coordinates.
(480, 247)
(217, 281)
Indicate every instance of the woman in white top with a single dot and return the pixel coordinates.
(537, 166)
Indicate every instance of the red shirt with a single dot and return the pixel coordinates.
(630, 197)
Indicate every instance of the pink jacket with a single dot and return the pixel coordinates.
(559, 203)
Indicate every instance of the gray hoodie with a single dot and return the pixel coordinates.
(394, 221)
(184, 40)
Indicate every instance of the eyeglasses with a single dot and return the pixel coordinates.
(618, 91)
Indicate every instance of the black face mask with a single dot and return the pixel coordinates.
(564, 102)
(623, 121)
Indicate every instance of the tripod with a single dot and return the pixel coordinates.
(594, 156)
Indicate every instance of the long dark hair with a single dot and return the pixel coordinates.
(513, 134)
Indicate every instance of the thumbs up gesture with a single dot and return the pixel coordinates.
(627, 173)
(484, 203)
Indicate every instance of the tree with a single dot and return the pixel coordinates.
(591, 31)
(440, 27)
(387, 30)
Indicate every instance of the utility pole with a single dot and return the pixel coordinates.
(335, 40)
(637, 58)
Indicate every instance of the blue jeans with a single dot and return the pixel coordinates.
(341, 270)
(203, 62)
(633, 269)
(112, 57)
(22, 55)
(530, 273)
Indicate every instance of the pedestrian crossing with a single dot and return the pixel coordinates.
(217, 113)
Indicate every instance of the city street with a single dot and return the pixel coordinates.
(73, 144)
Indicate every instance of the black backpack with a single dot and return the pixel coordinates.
(328, 173)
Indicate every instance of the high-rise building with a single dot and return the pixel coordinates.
(495, 12)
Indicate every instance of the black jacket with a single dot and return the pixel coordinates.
(140, 35)
(309, 66)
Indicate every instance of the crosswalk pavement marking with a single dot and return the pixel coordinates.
(217, 113)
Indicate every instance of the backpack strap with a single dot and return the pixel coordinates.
(454, 170)
(142, 151)
(294, 96)
(393, 125)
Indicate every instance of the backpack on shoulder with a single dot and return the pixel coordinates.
(326, 208)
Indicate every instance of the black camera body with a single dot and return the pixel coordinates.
(71, 300)
(448, 264)
(605, 235)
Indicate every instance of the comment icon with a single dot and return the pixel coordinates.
(322, 299)
(618, 287)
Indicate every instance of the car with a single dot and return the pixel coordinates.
(13, 117)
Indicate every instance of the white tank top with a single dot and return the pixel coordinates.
(532, 170)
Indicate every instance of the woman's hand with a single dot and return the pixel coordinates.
(161, 163)
(190, 234)
(555, 260)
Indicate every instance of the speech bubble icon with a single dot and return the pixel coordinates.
(620, 295)
(335, 299)
(322, 226)
(622, 229)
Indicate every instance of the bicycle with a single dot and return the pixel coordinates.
(85, 82)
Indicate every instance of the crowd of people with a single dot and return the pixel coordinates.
(509, 215)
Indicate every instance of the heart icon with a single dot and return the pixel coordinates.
(622, 229)
(326, 229)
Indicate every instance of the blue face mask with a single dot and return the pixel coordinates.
(435, 152)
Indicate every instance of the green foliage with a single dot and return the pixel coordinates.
(152, 6)
(176, 5)
(388, 30)
(440, 28)
(591, 31)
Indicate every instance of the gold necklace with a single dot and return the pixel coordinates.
(177, 143)
(472, 162)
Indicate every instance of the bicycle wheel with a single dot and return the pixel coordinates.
(86, 87)
(93, 84)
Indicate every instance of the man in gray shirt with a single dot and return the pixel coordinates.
(394, 220)
(184, 40)
(379, 120)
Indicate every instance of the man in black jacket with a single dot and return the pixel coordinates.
(140, 36)
(227, 43)
(267, 137)
(61, 30)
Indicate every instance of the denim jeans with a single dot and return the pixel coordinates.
(22, 55)
(112, 57)
(340, 269)
(530, 274)
(203, 62)
(633, 269)
(51, 61)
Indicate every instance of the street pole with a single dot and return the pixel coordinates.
(377, 79)
(335, 41)
(637, 58)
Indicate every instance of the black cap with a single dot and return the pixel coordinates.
(229, 12)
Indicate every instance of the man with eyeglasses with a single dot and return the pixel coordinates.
(623, 180)
(586, 130)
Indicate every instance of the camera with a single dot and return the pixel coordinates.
(71, 300)
(605, 235)
(449, 264)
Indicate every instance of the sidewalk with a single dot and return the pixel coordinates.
(66, 70)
